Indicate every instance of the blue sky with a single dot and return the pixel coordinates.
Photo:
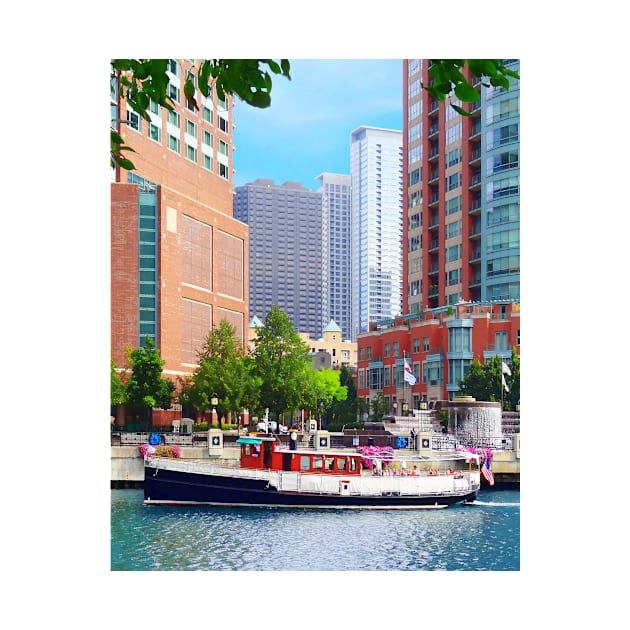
(306, 130)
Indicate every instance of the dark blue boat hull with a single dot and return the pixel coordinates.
(183, 488)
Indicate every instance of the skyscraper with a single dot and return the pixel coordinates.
(179, 260)
(336, 235)
(462, 194)
(376, 167)
(286, 251)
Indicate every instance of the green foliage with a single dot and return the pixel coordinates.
(225, 370)
(283, 365)
(145, 80)
(345, 412)
(447, 77)
(484, 383)
(118, 391)
(146, 387)
(378, 407)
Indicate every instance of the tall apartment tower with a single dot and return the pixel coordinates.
(336, 235)
(286, 257)
(376, 168)
(179, 259)
(462, 194)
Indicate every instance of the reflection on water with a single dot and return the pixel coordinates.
(482, 536)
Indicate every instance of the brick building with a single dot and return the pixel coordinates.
(179, 259)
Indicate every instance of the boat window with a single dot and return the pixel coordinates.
(353, 464)
(305, 462)
(330, 463)
(341, 463)
(318, 463)
(247, 449)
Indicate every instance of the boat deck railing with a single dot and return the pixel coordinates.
(425, 481)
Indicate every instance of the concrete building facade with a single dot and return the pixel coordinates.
(287, 256)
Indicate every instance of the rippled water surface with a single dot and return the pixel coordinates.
(483, 536)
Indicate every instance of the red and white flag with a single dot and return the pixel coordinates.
(486, 471)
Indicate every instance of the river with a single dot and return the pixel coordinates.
(484, 536)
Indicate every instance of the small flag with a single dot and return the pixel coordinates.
(507, 389)
(486, 471)
(409, 377)
(505, 368)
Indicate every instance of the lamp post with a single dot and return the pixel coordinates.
(214, 401)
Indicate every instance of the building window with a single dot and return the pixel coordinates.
(386, 350)
(173, 118)
(223, 147)
(173, 92)
(207, 138)
(395, 349)
(501, 341)
(224, 171)
(416, 345)
(173, 143)
(191, 153)
(207, 162)
(173, 67)
(191, 128)
(155, 133)
(133, 120)
(208, 115)
(223, 124)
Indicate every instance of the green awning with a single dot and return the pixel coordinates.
(246, 440)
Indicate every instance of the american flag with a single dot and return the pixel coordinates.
(486, 471)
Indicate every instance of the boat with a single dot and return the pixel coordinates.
(271, 474)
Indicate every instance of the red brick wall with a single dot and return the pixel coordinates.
(124, 270)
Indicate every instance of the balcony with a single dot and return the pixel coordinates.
(434, 245)
(433, 199)
(476, 206)
(475, 256)
(475, 155)
(475, 181)
(434, 129)
(475, 129)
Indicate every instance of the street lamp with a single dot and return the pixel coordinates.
(214, 401)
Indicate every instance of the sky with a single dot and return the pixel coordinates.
(306, 130)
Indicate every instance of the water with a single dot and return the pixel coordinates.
(480, 537)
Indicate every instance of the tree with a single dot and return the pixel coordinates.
(283, 364)
(327, 388)
(484, 381)
(447, 77)
(378, 406)
(345, 412)
(224, 370)
(117, 392)
(144, 80)
(146, 388)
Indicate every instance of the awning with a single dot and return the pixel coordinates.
(248, 440)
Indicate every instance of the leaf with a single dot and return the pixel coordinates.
(500, 81)
(461, 111)
(126, 164)
(286, 67)
(466, 92)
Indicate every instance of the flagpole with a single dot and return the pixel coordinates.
(404, 379)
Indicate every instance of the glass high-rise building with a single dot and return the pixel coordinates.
(376, 167)
(462, 207)
(337, 260)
